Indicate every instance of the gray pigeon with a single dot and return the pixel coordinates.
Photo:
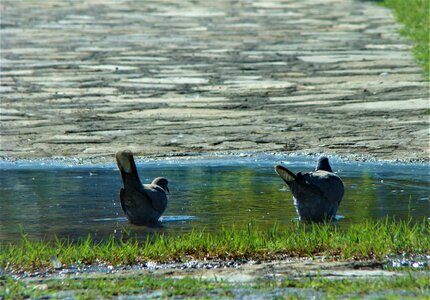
(142, 204)
(317, 194)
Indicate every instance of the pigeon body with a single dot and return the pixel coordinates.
(142, 204)
(317, 194)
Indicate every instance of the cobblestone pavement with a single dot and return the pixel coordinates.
(87, 78)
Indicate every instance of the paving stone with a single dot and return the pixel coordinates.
(87, 78)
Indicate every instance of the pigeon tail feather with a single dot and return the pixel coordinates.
(285, 174)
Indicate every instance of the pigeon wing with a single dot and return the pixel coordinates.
(330, 185)
(134, 201)
(157, 196)
(121, 198)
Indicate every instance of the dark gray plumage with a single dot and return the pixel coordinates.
(317, 194)
(142, 204)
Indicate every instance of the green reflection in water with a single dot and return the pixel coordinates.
(360, 199)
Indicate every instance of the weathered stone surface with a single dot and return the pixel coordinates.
(86, 78)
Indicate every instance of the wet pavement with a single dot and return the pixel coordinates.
(87, 78)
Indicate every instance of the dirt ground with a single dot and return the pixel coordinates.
(87, 78)
(235, 273)
(274, 270)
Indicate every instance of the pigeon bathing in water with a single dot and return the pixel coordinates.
(317, 194)
(142, 204)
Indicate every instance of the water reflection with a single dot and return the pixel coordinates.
(73, 201)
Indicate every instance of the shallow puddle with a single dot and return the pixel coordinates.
(49, 198)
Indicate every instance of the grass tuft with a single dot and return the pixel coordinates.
(414, 14)
(367, 240)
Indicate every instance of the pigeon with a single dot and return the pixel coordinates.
(142, 204)
(317, 194)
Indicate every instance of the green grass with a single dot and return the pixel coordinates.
(414, 14)
(370, 239)
(105, 287)
(418, 285)
(109, 286)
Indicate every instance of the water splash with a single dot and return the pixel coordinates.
(167, 219)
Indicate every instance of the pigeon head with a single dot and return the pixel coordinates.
(161, 182)
(323, 164)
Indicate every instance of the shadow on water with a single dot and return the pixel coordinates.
(76, 200)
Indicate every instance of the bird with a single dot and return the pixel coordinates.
(143, 204)
(317, 195)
